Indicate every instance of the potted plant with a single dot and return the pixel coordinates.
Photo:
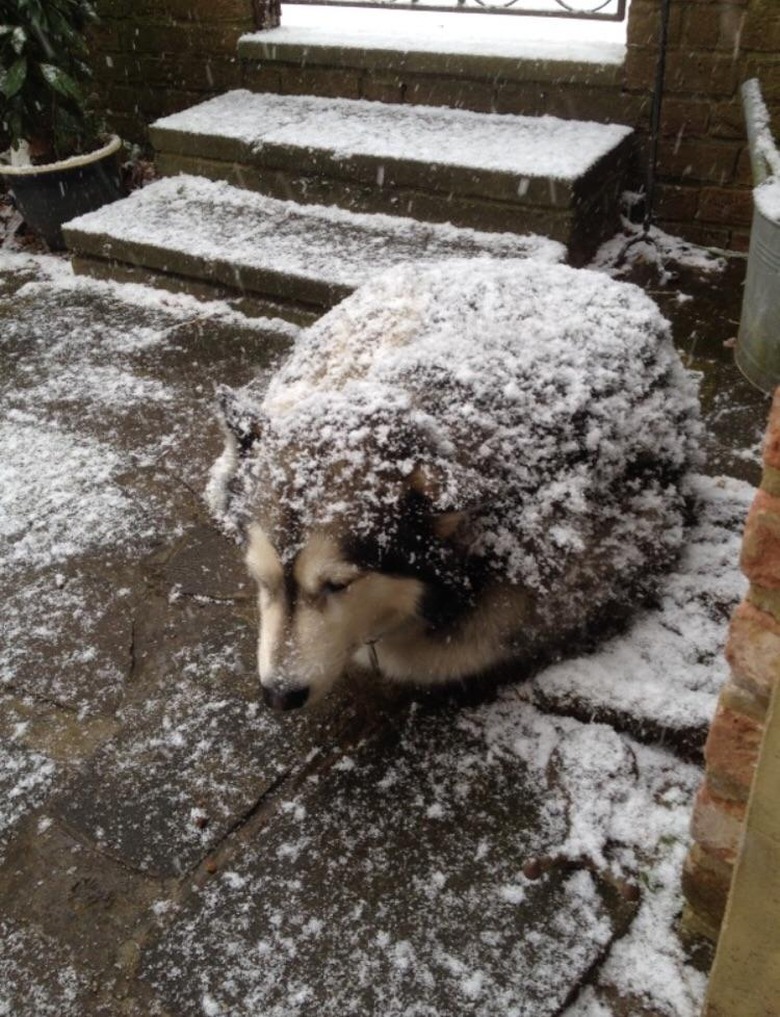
(59, 163)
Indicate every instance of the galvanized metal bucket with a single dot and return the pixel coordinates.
(758, 343)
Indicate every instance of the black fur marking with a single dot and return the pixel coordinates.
(409, 548)
(291, 588)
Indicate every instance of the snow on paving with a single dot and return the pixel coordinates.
(58, 491)
(25, 778)
(80, 414)
(21, 989)
(464, 871)
(594, 804)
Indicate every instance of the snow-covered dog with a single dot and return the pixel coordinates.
(459, 465)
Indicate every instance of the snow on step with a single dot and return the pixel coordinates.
(432, 32)
(525, 147)
(213, 232)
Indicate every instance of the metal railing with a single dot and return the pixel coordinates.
(588, 10)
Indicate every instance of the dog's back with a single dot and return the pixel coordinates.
(512, 437)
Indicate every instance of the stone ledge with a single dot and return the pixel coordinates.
(248, 304)
(295, 256)
(265, 49)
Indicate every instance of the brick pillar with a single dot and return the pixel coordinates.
(731, 752)
(268, 13)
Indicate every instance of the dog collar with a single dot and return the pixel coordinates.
(373, 656)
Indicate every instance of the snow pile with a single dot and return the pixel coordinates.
(627, 811)
(653, 246)
(546, 404)
(664, 674)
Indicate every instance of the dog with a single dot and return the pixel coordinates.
(460, 465)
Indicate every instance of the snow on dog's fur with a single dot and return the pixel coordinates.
(459, 465)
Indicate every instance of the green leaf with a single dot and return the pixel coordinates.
(18, 39)
(14, 125)
(14, 79)
(60, 81)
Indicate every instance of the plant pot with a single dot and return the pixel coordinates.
(52, 194)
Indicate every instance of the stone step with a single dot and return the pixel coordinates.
(489, 65)
(558, 178)
(286, 259)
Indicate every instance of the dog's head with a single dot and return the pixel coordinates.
(346, 531)
(317, 610)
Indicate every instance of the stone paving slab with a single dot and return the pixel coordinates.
(196, 751)
(37, 976)
(393, 884)
(107, 434)
(84, 668)
(70, 928)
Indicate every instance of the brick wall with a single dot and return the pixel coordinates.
(704, 166)
(732, 748)
(154, 57)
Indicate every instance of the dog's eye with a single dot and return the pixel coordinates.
(331, 586)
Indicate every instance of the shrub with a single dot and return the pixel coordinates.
(43, 73)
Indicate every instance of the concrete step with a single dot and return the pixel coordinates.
(558, 178)
(283, 258)
(490, 65)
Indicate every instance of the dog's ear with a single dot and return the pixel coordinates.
(424, 481)
(449, 524)
(242, 420)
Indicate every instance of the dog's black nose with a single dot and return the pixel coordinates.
(285, 698)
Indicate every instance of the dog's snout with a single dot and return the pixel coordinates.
(286, 698)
